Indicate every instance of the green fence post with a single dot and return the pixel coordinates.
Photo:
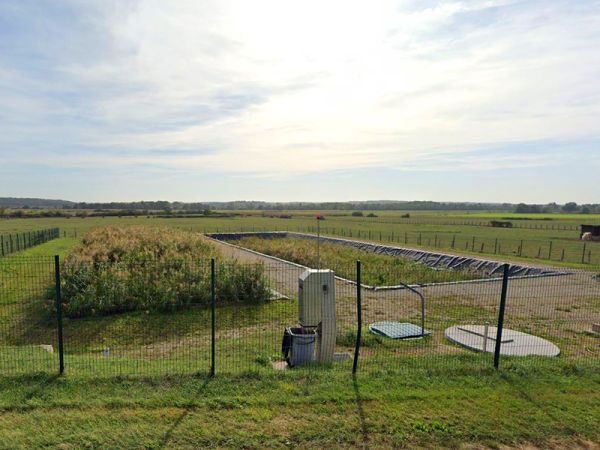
(213, 304)
(2, 245)
(501, 315)
(59, 319)
(550, 251)
(583, 254)
(358, 318)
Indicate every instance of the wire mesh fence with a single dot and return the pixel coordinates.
(568, 248)
(231, 316)
(15, 242)
(28, 327)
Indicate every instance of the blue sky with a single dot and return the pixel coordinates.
(270, 100)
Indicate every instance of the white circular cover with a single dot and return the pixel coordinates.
(514, 343)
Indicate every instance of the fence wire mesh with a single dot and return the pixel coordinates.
(28, 329)
(152, 317)
(16, 242)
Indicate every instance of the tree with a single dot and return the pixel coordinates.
(522, 208)
(570, 207)
(357, 214)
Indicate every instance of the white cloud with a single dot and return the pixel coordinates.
(281, 88)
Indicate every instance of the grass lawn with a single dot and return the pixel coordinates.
(305, 409)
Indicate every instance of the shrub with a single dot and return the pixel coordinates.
(117, 270)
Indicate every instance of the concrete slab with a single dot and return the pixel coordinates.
(514, 343)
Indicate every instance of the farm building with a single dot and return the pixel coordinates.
(590, 233)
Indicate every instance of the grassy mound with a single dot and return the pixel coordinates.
(120, 269)
(377, 270)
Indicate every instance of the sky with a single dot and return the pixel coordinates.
(491, 101)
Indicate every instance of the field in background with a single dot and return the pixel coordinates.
(555, 240)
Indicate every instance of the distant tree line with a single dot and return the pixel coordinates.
(31, 203)
(204, 208)
(570, 207)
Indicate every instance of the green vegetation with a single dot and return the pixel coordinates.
(116, 270)
(380, 270)
(410, 408)
(547, 238)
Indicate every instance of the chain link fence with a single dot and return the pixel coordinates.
(229, 316)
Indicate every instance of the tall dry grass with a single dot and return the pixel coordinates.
(120, 269)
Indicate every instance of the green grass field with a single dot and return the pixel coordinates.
(446, 231)
(467, 408)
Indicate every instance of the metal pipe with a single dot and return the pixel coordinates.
(422, 306)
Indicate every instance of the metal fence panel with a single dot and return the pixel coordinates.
(152, 317)
(28, 330)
